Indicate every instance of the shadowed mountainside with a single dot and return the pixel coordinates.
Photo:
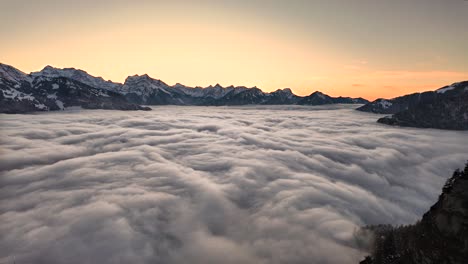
(441, 237)
(444, 108)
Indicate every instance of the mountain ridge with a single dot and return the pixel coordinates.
(401, 103)
(141, 90)
(443, 108)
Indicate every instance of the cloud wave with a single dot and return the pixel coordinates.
(263, 184)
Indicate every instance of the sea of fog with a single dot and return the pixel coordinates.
(279, 184)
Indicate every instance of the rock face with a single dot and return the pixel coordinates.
(440, 237)
(143, 89)
(54, 89)
(22, 93)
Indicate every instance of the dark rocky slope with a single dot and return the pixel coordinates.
(442, 113)
(441, 237)
(444, 108)
(398, 104)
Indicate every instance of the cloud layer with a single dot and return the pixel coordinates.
(211, 184)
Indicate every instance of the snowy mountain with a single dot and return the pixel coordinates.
(444, 108)
(13, 75)
(398, 104)
(446, 112)
(77, 75)
(215, 92)
(146, 90)
(22, 93)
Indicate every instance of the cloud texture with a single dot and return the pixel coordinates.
(211, 184)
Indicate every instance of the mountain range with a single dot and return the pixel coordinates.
(22, 93)
(444, 108)
(55, 89)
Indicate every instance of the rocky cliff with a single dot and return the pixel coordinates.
(441, 237)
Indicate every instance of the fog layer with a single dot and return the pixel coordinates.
(211, 184)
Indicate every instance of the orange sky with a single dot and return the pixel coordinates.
(304, 45)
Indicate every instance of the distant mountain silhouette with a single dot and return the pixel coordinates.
(54, 89)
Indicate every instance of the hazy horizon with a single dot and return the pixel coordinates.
(361, 48)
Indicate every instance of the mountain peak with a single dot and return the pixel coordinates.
(77, 75)
(48, 68)
(137, 78)
(143, 85)
(12, 74)
(286, 90)
(180, 86)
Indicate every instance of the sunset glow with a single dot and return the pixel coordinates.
(362, 48)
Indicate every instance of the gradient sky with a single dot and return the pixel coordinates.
(368, 48)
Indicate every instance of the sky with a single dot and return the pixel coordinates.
(366, 48)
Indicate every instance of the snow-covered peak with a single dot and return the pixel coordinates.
(77, 75)
(285, 91)
(179, 85)
(145, 78)
(12, 74)
(143, 85)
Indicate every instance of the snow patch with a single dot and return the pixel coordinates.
(15, 94)
(59, 104)
(385, 104)
(40, 106)
(445, 89)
